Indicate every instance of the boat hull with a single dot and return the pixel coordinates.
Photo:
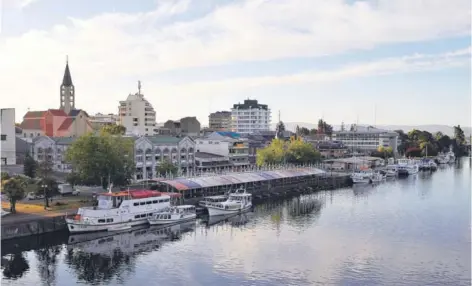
(216, 211)
(171, 221)
(78, 227)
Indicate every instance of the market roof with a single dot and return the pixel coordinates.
(183, 184)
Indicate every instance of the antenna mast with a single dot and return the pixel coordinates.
(139, 87)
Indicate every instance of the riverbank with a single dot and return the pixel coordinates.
(32, 219)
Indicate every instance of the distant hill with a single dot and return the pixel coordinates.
(449, 130)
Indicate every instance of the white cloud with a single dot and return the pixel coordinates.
(107, 47)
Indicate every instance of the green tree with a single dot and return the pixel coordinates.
(304, 131)
(46, 186)
(272, 154)
(98, 160)
(15, 189)
(5, 176)
(114, 129)
(29, 166)
(324, 128)
(166, 168)
(299, 152)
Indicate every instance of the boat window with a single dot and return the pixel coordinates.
(101, 221)
(142, 203)
(149, 214)
(148, 202)
(136, 204)
(143, 215)
(109, 220)
(155, 201)
(136, 216)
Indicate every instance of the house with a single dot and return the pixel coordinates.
(52, 149)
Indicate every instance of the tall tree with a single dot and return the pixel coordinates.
(459, 134)
(166, 168)
(304, 131)
(47, 185)
(15, 189)
(279, 151)
(114, 129)
(98, 160)
(29, 166)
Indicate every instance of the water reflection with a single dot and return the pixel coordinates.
(404, 233)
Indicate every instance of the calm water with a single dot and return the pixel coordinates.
(414, 231)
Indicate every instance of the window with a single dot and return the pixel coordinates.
(101, 221)
(136, 216)
(148, 202)
(143, 215)
(155, 201)
(136, 204)
(3, 137)
(142, 203)
(109, 220)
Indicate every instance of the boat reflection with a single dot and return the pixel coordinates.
(232, 219)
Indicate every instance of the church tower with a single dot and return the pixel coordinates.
(67, 91)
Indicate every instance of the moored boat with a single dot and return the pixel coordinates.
(237, 202)
(119, 211)
(174, 215)
(212, 199)
(362, 176)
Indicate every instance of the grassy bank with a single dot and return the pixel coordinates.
(37, 207)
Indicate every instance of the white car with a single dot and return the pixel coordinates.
(33, 196)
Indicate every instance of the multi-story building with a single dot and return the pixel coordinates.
(188, 126)
(52, 149)
(98, 121)
(7, 136)
(221, 150)
(250, 117)
(137, 115)
(220, 121)
(367, 139)
(67, 121)
(150, 152)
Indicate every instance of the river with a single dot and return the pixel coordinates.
(413, 231)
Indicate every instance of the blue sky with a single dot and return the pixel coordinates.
(407, 59)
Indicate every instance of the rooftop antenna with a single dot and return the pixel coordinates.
(67, 59)
(139, 87)
(279, 115)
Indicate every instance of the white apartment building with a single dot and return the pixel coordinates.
(7, 136)
(137, 115)
(53, 149)
(150, 152)
(367, 139)
(220, 150)
(100, 120)
(250, 117)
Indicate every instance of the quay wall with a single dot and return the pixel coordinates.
(33, 227)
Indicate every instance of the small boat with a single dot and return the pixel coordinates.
(377, 177)
(362, 176)
(174, 215)
(237, 202)
(409, 165)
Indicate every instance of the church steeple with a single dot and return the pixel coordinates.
(67, 91)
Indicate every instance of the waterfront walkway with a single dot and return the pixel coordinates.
(28, 212)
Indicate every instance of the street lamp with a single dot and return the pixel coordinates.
(44, 193)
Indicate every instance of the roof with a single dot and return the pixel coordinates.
(57, 112)
(164, 139)
(66, 124)
(67, 79)
(31, 124)
(63, 140)
(34, 114)
(183, 184)
(230, 134)
(75, 112)
(207, 155)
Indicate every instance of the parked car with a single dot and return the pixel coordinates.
(33, 196)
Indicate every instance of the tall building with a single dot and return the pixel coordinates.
(67, 91)
(7, 136)
(250, 117)
(137, 115)
(189, 126)
(220, 121)
(99, 120)
(67, 121)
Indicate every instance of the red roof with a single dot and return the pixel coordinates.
(57, 112)
(66, 124)
(34, 114)
(31, 124)
(142, 194)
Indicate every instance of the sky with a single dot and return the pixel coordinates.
(402, 62)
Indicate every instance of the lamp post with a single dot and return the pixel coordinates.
(44, 186)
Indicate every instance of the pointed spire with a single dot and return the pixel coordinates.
(67, 80)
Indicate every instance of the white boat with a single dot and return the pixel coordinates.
(174, 215)
(451, 157)
(378, 177)
(409, 165)
(212, 199)
(362, 176)
(237, 202)
(391, 171)
(118, 211)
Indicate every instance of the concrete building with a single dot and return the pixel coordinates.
(367, 139)
(137, 115)
(99, 120)
(152, 151)
(250, 117)
(188, 126)
(52, 149)
(220, 121)
(7, 136)
(221, 150)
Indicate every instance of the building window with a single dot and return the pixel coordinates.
(3, 137)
